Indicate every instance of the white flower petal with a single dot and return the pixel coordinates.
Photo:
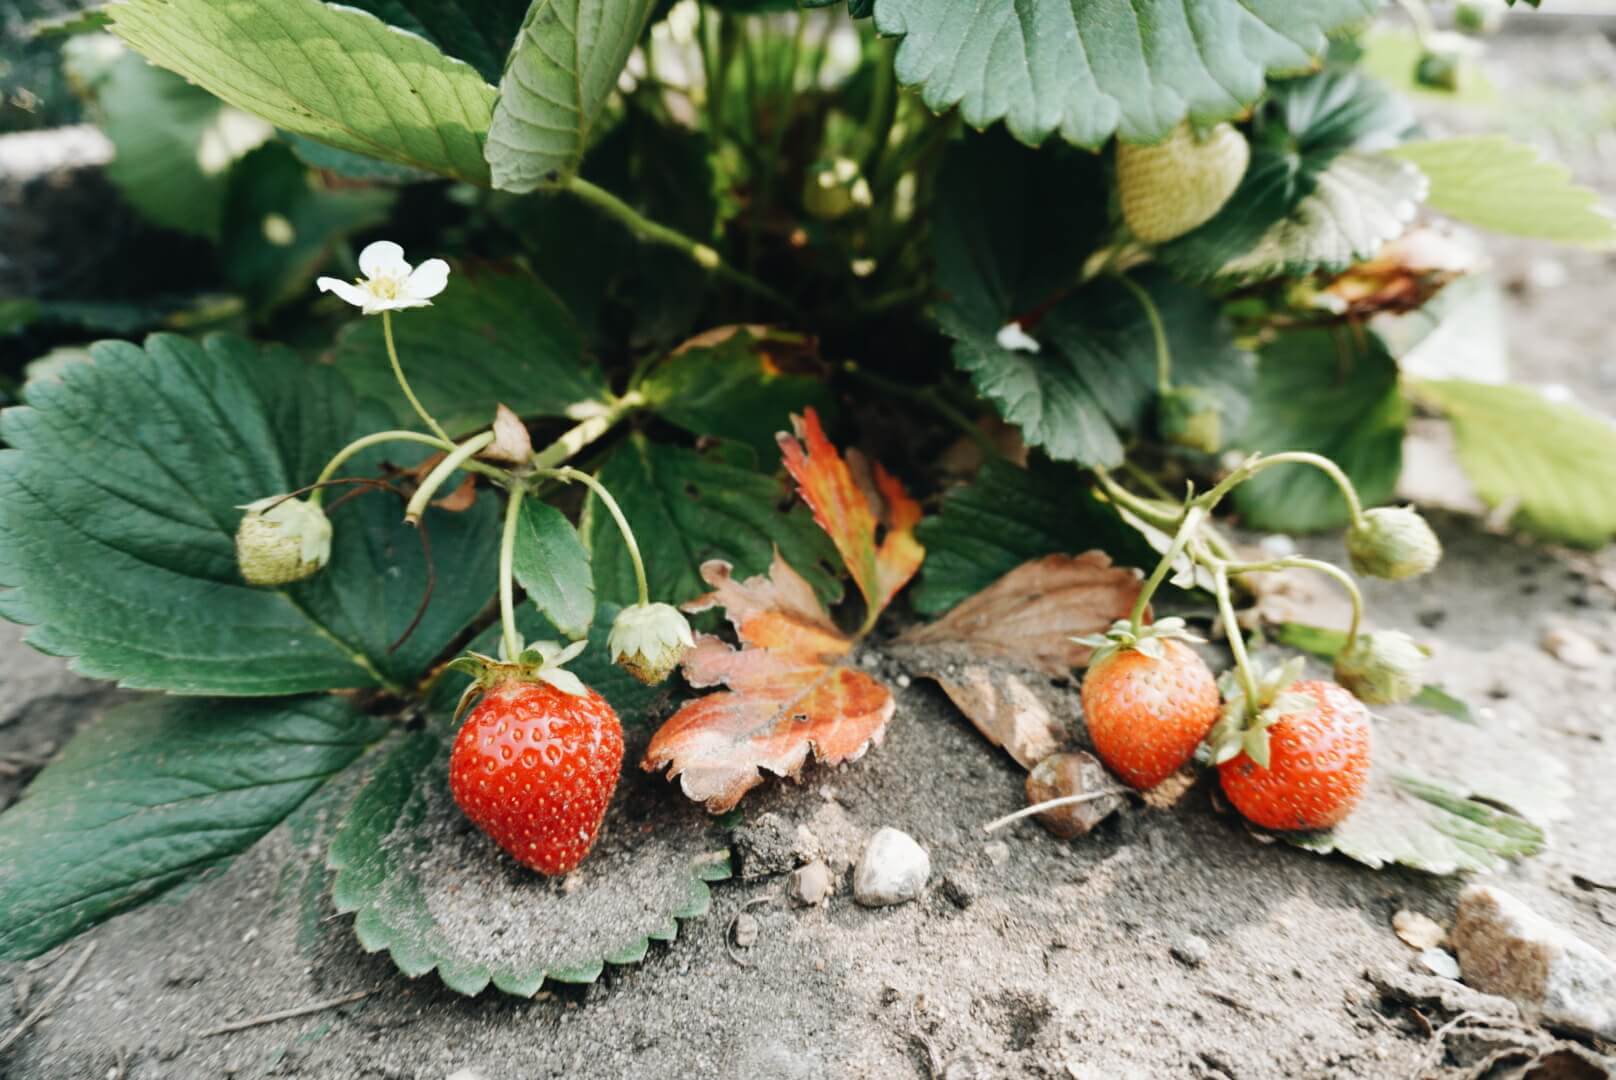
(427, 280)
(1011, 336)
(357, 295)
(397, 304)
(383, 259)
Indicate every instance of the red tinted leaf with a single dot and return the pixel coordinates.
(789, 692)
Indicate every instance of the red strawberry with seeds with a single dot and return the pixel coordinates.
(1318, 761)
(1148, 706)
(534, 767)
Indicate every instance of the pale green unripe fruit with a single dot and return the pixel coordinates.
(1386, 667)
(1393, 542)
(282, 540)
(648, 641)
(1179, 183)
(1188, 416)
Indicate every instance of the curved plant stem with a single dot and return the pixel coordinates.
(366, 442)
(1237, 640)
(570, 474)
(586, 432)
(1164, 354)
(404, 384)
(1299, 562)
(1186, 532)
(1155, 514)
(652, 232)
(1258, 463)
(435, 479)
(507, 560)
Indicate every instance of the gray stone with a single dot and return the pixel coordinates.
(809, 885)
(1508, 949)
(997, 851)
(746, 930)
(892, 870)
(764, 847)
(1192, 950)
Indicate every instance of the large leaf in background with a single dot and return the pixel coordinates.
(625, 293)
(480, 32)
(729, 384)
(791, 690)
(1448, 797)
(424, 884)
(280, 225)
(1131, 67)
(1317, 195)
(1013, 231)
(551, 565)
(154, 793)
(1553, 464)
(686, 508)
(1332, 394)
(560, 75)
(118, 510)
(174, 142)
(1008, 516)
(495, 335)
(331, 73)
(1509, 187)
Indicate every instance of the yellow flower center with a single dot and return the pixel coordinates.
(385, 288)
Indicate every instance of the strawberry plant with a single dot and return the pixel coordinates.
(519, 340)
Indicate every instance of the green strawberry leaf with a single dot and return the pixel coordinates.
(1325, 393)
(1553, 463)
(558, 80)
(1008, 516)
(1317, 194)
(174, 142)
(332, 73)
(1325, 643)
(279, 227)
(426, 886)
(550, 563)
(1134, 68)
(687, 507)
(1496, 183)
(480, 32)
(734, 389)
(119, 502)
(154, 793)
(1449, 798)
(495, 335)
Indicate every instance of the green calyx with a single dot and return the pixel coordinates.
(1243, 726)
(1146, 639)
(1385, 667)
(540, 662)
(1394, 543)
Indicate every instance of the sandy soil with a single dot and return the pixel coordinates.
(1043, 959)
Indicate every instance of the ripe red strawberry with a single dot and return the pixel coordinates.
(534, 767)
(1147, 714)
(1318, 763)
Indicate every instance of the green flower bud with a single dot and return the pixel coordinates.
(1438, 70)
(282, 540)
(648, 641)
(1393, 542)
(1188, 416)
(1383, 668)
(835, 189)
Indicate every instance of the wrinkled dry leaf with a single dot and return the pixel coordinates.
(512, 444)
(994, 653)
(790, 692)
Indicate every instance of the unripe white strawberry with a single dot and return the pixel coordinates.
(1383, 668)
(648, 641)
(282, 540)
(1179, 183)
(1393, 542)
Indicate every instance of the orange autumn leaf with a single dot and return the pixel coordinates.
(851, 499)
(789, 692)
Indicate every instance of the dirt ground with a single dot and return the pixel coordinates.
(1042, 959)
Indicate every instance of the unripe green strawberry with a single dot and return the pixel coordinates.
(648, 640)
(1179, 183)
(1188, 416)
(1383, 668)
(1393, 542)
(282, 540)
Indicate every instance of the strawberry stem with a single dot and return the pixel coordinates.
(1193, 517)
(1164, 353)
(1237, 640)
(507, 561)
(1256, 463)
(1298, 562)
(576, 438)
(361, 444)
(569, 474)
(404, 384)
(435, 479)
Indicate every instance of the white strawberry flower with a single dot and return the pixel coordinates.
(390, 283)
